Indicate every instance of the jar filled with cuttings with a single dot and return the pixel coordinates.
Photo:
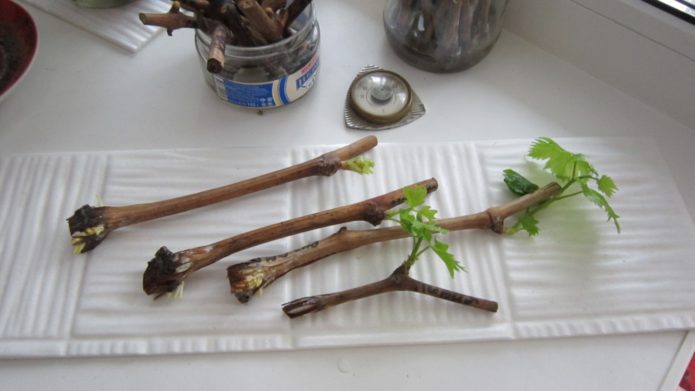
(443, 35)
(261, 66)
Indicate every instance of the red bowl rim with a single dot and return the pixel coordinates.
(28, 62)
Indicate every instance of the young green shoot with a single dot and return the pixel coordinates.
(360, 165)
(576, 177)
(418, 220)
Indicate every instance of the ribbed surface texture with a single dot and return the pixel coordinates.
(119, 25)
(578, 277)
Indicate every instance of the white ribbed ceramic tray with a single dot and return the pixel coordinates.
(119, 25)
(579, 277)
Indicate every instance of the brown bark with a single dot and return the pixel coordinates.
(160, 267)
(170, 21)
(232, 19)
(249, 277)
(194, 5)
(294, 10)
(399, 280)
(274, 5)
(90, 225)
(218, 41)
(259, 20)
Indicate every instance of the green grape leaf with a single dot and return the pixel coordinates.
(442, 250)
(517, 183)
(563, 164)
(406, 220)
(420, 230)
(361, 165)
(598, 199)
(570, 169)
(582, 168)
(418, 220)
(606, 186)
(557, 158)
(545, 148)
(529, 224)
(415, 196)
(427, 212)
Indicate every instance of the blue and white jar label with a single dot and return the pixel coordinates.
(270, 94)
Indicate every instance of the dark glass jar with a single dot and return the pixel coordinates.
(443, 35)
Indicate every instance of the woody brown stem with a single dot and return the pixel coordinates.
(249, 22)
(447, 17)
(294, 10)
(90, 225)
(501, 212)
(194, 5)
(218, 41)
(158, 276)
(274, 4)
(170, 21)
(259, 20)
(232, 19)
(247, 278)
(399, 280)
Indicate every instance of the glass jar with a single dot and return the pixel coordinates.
(443, 35)
(267, 76)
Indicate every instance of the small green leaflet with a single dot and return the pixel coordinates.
(361, 165)
(442, 250)
(415, 196)
(606, 186)
(427, 212)
(600, 200)
(517, 183)
(418, 219)
(529, 224)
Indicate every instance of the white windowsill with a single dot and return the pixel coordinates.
(640, 49)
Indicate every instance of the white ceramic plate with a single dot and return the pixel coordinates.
(579, 277)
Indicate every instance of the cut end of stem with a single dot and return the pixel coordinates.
(214, 66)
(246, 279)
(165, 274)
(302, 306)
(88, 228)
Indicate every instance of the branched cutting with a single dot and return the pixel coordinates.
(417, 220)
(248, 278)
